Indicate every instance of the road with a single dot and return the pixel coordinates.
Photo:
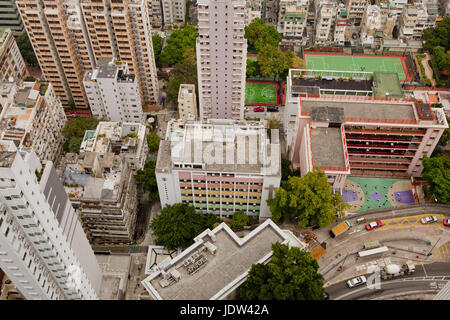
(431, 277)
(264, 115)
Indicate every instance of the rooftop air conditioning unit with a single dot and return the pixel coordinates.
(175, 274)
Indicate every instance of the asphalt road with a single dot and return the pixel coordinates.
(429, 277)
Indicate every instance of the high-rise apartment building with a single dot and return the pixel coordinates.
(174, 11)
(156, 14)
(113, 92)
(10, 16)
(11, 61)
(221, 59)
(47, 26)
(43, 248)
(71, 36)
(253, 10)
(356, 9)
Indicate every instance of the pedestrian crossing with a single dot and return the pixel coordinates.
(442, 253)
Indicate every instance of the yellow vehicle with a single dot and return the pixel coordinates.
(340, 228)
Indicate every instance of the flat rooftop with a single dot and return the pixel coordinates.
(225, 146)
(327, 147)
(298, 84)
(366, 109)
(234, 256)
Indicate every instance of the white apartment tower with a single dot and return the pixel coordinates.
(113, 92)
(221, 58)
(43, 248)
(174, 11)
(187, 102)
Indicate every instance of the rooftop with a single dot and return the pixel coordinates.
(6, 159)
(226, 260)
(224, 145)
(365, 109)
(327, 147)
(299, 84)
(387, 85)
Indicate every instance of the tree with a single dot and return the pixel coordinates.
(74, 131)
(273, 62)
(240, 219)
(291, 275)
(147, 179)
(153, 141)
(157, 47)
(309, 198)
(26, 49)
(298, 63)
(178, 225)
(438, 36)
(71, 104)
(260, 34)
(438, 178)
(177, 44)
(184, 72)
(252, 69)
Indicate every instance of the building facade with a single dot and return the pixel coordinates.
(174, 11)
(243, 173)
(48, 29)
(10, 17)
(11, 61)
(292, 18)
(32, 116)
(187, 102)
(38, 252)
(100, 180)
(325, 21)
(221, 59)
(373, 137)
(70, 37)
(253, 10)
(113, 92)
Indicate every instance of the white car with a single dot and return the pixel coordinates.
(428, 219)
(356, 281)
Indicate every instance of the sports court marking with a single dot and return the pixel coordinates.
(366, 63)
(262, 93)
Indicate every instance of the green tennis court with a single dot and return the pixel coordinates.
(356, 63)
(264, 93)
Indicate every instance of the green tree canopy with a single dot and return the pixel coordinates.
(157, 41)
(438, 178)
(272, 62)
(153, 141)
(178, 225)
(147, 178)
(177, 43)
(438, 36)
(184, 72)
(26, 49)
(74, 131)
(309, 198)
(259, 34)
(445, 136)
(291, 275)
(252, 69)
(240, 219)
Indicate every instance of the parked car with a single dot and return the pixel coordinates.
(258, 109)
(428, 219)
(356, 281)
(373, 225)
(446, 222)
(272, 109)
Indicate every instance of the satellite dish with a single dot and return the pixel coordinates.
(151, 120)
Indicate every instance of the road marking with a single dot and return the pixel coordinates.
(425, 271)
